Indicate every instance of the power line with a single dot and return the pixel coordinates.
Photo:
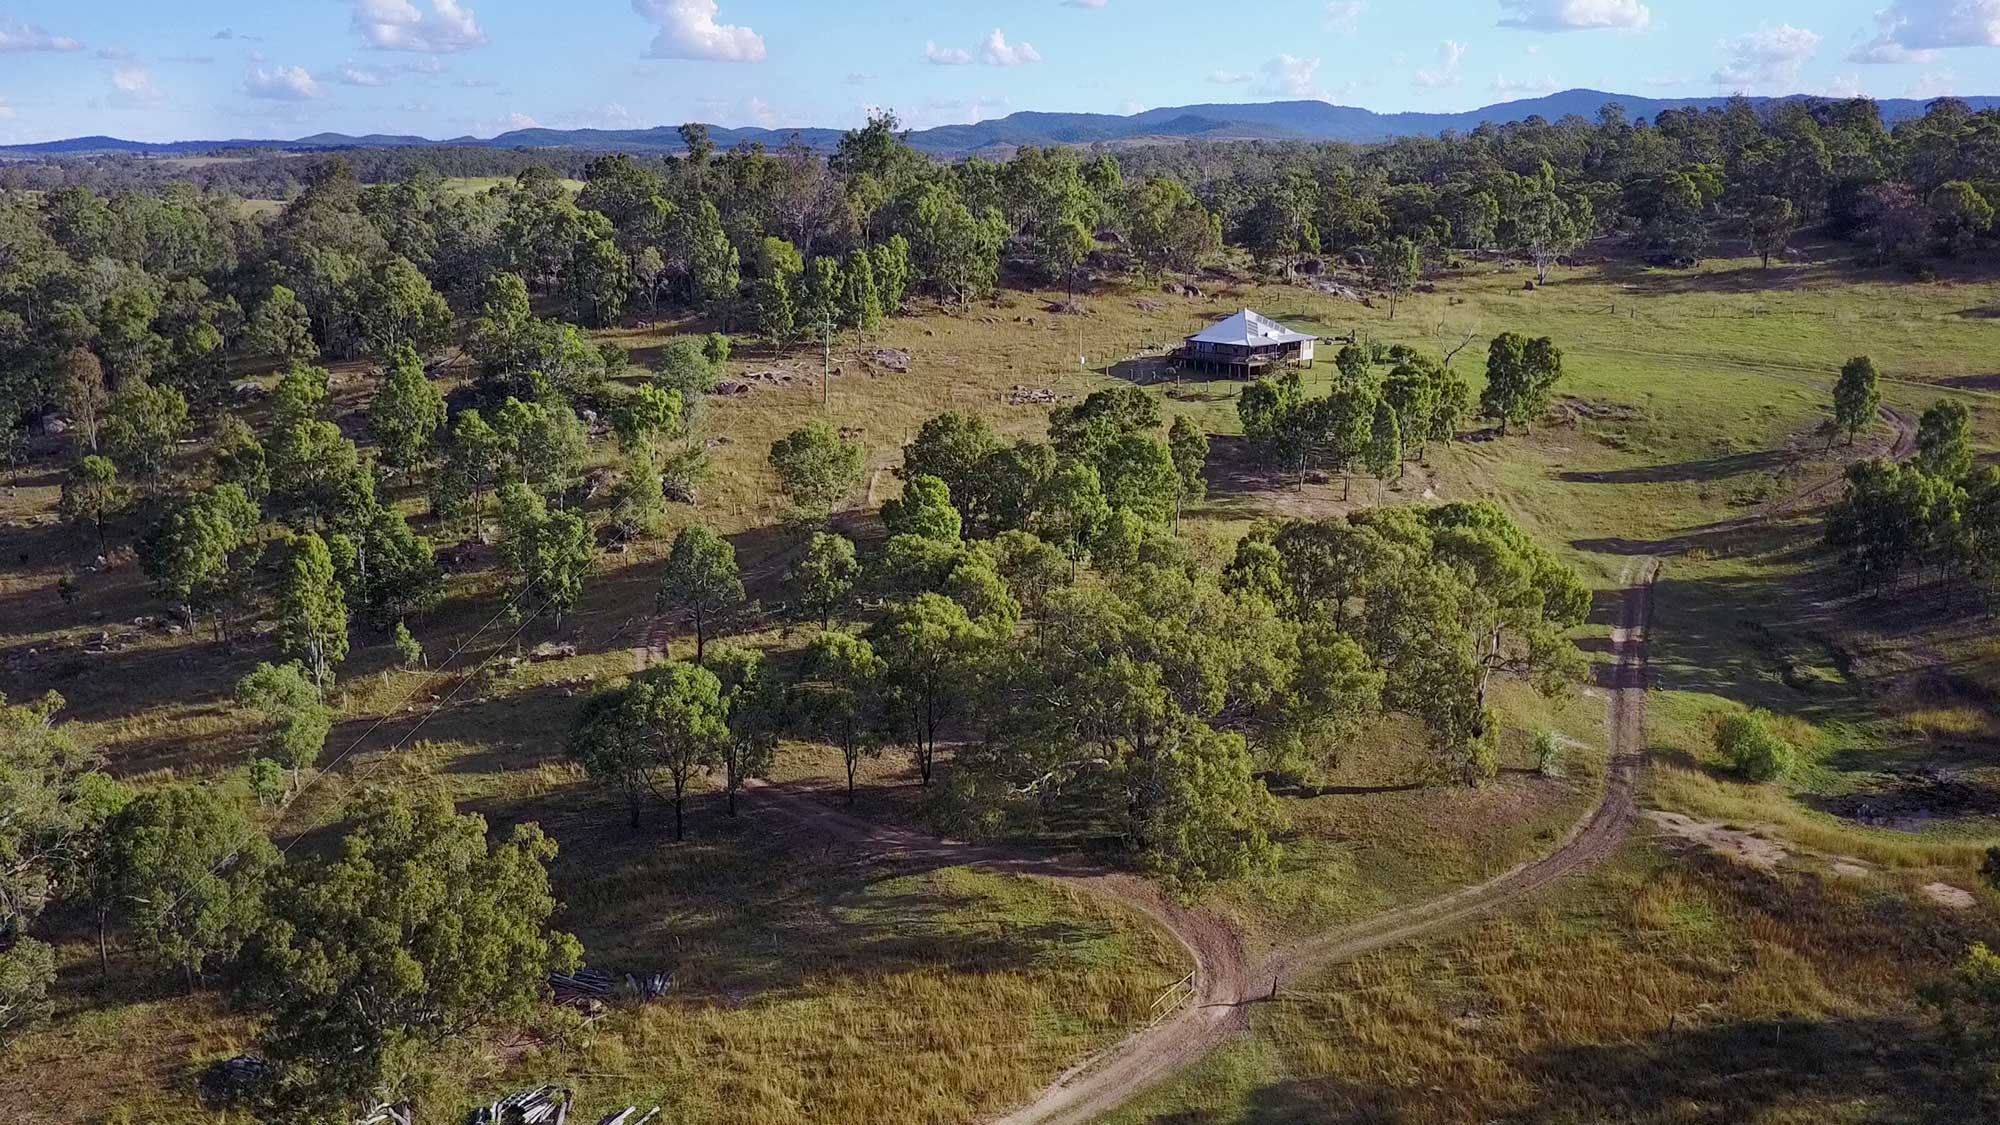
(428, 715)
(236, 853)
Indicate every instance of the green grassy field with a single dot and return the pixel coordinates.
(814, 990)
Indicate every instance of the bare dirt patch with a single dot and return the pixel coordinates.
(1946, 895)
(1736, 843)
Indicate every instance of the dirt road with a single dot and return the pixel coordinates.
(1226, 982)
(1149, 1057)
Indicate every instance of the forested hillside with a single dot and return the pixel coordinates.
(662, 482)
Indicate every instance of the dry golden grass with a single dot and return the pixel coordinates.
(1714, 370)
(1660, 989)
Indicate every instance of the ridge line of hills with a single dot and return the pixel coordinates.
(1274, 121)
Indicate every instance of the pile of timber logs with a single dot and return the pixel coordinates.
(587, 986)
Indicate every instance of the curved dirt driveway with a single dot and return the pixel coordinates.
(1226, 982)
(1151, 1056)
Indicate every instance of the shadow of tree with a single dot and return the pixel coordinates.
(760, 903)
(1716, 468)
(1740, 1071)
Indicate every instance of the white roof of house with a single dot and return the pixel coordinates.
(1249, 330)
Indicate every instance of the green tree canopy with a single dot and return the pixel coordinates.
(191, 871)
(312, 614)
(407, 411)
(824, 576)
(417, 931)
(924, 510)
(1521, 374)
(701, 581)
(1857, 395)
(817, 469)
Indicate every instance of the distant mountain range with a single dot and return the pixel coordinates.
(1289, 121)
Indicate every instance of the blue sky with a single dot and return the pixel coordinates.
(210, 69)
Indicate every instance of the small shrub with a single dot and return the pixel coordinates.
(1991, 868)
(408, 649)
(1745, 741)
(269, 781)
(715, 346)
(1549, 754)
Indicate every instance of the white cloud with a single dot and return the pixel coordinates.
(115, 54)
(522, 121)
(1131, 106)
(1450, 54)
(1227, 77)
(283, 84)
(1342, 14)
(1916, 30)
(945, 56)
(6, 111)
(429, 66)
(610, 115)
(933, 112)
(1844, 86)
(1091, 4)
(131, 85)
(17, 36)
(856, 78)
(1769, 58)
(1575, 15)
(351, 75)
(689, 30)
(1290, 76)
(1933, 84)
(397, 25)
(1524, 87)
(998, 52)
(476, 83)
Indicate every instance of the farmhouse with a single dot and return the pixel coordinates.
(1245, 345)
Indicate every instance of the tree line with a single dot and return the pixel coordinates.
(1936, 515)
(359, 965)
(1033, 608)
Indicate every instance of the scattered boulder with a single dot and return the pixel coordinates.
(1069, 306)
(731, 388)
(1023, 395)
(1147, 304)
(1334, 288)
(233, 1080)
(895, 359)
(1948, 896)
(1530, 285)
(550, 650)
(250, 392)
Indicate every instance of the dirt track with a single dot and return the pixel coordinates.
(1902, 443)
(1226, 983)
(1222, 1009)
